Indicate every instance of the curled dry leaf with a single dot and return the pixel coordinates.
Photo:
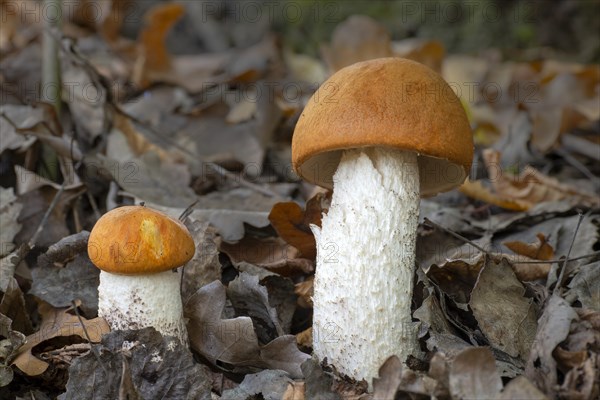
(457, 277)
(553, 328)
(234, 341)
(526, 269)
(540, 250)
(250, 298)
(272, 254)
(581, 382)
(293, 224)
(476, 190)
(523, 262)
(531, 186)
(56, 323)
(432, 314)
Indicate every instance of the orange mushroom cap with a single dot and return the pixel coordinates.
(390, 102)
(135, 240)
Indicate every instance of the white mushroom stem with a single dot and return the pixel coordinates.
(365, 263)
(140, 301)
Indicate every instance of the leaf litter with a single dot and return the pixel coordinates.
(203, 132)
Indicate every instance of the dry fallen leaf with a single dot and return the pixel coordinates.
(272, 254)
(293, 224)
(473, 375)
(521, 388)
(12, 341)
(13, 306)
(582, 381)
(294, 391)
(526, 269)
(504, 315)
(138, 363)
(317, 383)
(205, 266)
(233, 342)
(584, 286)
(56, 323)
(477, 191)
(267, 385)
(153, 55)
(390, 377)
(531, 186)
(65, 273)
(358, 38)
(305, 338)
(250, 298)
(9, 215)
(553, 328)
(305, 291)
(540, 250)
(428, 52)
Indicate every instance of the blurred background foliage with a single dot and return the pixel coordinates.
(524, 28)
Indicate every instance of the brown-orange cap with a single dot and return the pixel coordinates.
(390, 102)
(135, 240)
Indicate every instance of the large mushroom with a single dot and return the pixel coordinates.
(138, 250)
(380, 133)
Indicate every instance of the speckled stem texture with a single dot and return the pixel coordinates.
(365, 263)
(140, 301)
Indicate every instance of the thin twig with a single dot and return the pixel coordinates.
(563, 268)
(456, 235)
(215, 167)
(596, 253)
(578, 165)
(87, 336)
(51, 85)
(94, 205)
(98, 80)
(44, 220)
(495, 256)
(188, 210)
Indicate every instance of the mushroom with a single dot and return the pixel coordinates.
(137, 250)
(381, 134)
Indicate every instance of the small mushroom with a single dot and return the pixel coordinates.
(137, 250)
(381, 133)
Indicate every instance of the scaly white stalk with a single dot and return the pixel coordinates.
(365, 263)
(140, 301)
